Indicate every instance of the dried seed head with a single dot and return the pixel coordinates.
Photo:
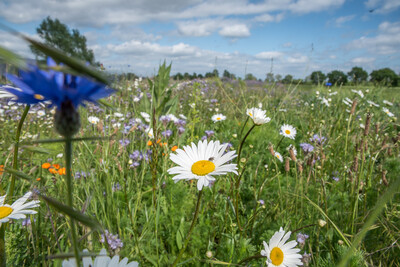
(66, 120)
(292, 155)
(384, 180)
(367, 124)
(271, 149)
(377, 128)
(353, 106)
(287, 164)
(300, 167)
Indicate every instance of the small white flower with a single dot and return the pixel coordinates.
(118, 115)
(60, 155)
(218, 117)
(325, 101)
(150, 133)
(278, 156)
(202, 162)
(390, 114)
(288, 131)
(280, 253)
(93, 120)
(258, 116)
(102, 260)
(359, 92)
(18, 209)
(387, 103)
(145, 116)
(41, 113)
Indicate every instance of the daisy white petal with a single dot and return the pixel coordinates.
(258, 116)
(202, 162)
(288, 131)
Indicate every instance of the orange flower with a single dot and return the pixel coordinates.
(158, 141)
(56, 166)
(62, 171)
(52, 171)
(1, 169)
(38, 179)
(174, 148)
(149, 143)
(46, 165)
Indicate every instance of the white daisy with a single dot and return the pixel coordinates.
(150, 133)
(93, 120)
(218, 117)
(288, 131)
(258, 116)
(18, 209)
(390, 114)
(278, 156)
(372, 103)
(202, 162)
(119, 115)
(145, 116)
(41, 113)
(387, 103)
(280, 253)
(102, 260)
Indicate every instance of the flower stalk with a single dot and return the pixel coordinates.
(196, 213)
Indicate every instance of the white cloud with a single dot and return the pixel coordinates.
(297, 58)
(198, 28)
(269, 18)
(341, 20)
(387, 41)
(269, 55)
(383, 6)
(307, 6)
(362, 60)
(235, 31)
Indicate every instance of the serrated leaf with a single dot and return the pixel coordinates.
(19, 174)
(75, 214)
(36, 149)
(71, 62)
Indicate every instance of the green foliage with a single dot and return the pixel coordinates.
(385, 76)
(358, 75)
(58, 35)
(337, 77)
(317, 77)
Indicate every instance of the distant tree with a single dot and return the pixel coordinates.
(186, 76)
(216, 73)
(178, 76)
(278, 77)
(317, 77)
(270, 77)
(288, 79)
(200, 76)
(58, 35)
(226, 74)
(358, 75)
(385, 76)
(337, 77)
(250, 77)
(193, 76)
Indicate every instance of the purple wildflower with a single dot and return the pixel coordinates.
(167, 133)
(113, 241)
(301, 239)
(209, 133)
(307, 147)
(320, 140)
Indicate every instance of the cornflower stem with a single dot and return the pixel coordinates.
(68, 165)
(242, 143)
(196, 213)
(12, 185)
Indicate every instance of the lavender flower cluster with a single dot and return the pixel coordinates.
(113, 241)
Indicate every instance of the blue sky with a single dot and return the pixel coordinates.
(296, 36)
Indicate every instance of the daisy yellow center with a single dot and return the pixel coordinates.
(203, 167)
(5, 211)
(251, 115)
(287, 131)
(38, 97)
(276, 256)
(218, 118)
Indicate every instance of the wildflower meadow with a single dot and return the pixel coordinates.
(97, 170)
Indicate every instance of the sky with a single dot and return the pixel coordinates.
(284, 37)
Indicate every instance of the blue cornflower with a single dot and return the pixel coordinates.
(307, 147)
(36, 85)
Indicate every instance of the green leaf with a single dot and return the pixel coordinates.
(84, 219)
(36, 149)
(19, 174)
(179, 234)
(60, 56)
(12, 58)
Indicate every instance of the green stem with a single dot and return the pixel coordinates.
(244, 139)
(16, 148)
(12, 185)
(68, 167)
(196, 213)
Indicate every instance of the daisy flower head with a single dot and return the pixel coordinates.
(278, 156)
(288, 131)
(218, 117)
(390, 114)
(202, 162)
(18, 209)
(280, 253)
(102, 260)
(93, 120)
(258, 116)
